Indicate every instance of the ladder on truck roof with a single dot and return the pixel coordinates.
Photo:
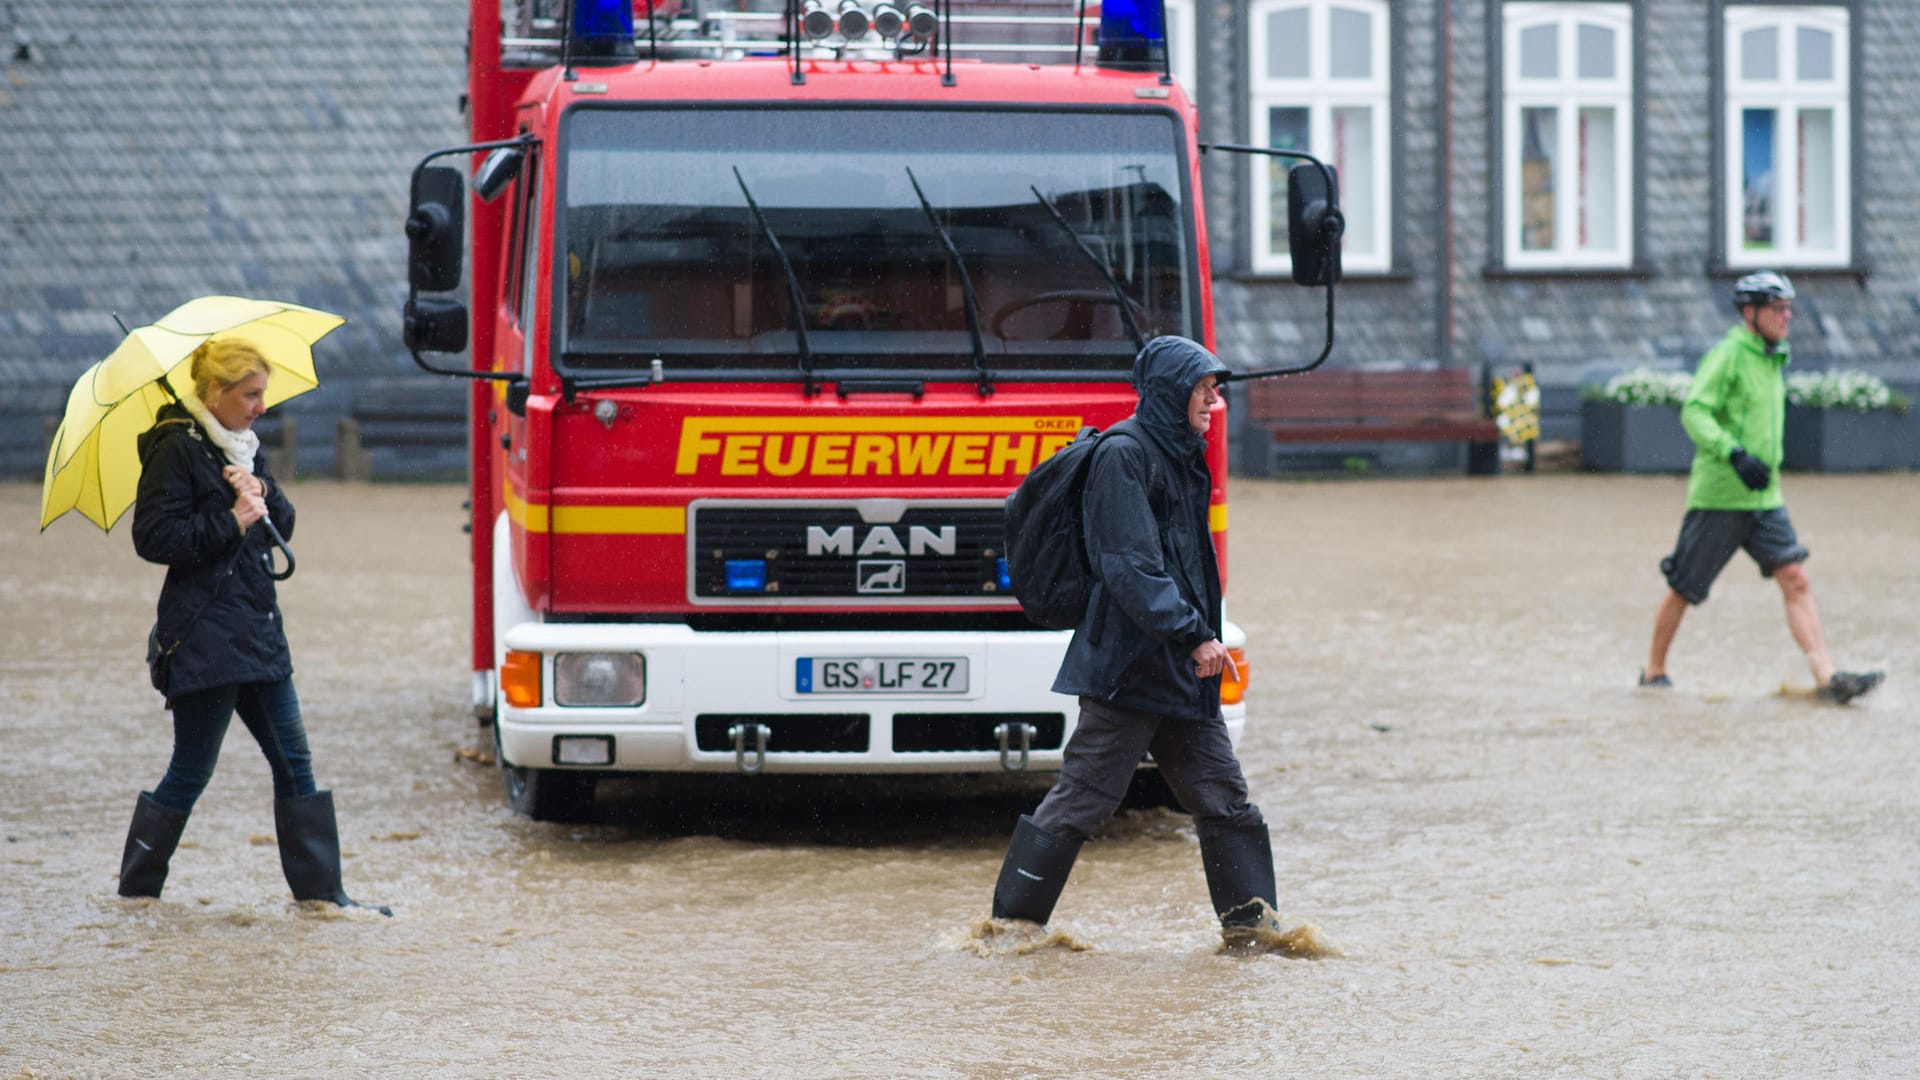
(1010, 31)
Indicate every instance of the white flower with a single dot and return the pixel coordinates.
(1857, 391)
(1646, 386)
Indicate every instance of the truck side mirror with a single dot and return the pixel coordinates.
(435, 226)
(1314, 224)
(435, 324)
(496, 172)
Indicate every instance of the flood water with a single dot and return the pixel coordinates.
(1527, 867)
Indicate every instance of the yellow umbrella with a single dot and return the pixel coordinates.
(94, 464)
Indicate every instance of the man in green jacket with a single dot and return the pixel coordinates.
(1734, 414)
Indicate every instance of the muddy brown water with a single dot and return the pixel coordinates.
(1531, 868)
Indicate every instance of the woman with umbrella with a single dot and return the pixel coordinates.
(218, 647)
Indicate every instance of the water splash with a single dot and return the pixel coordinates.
(1275, 933)
(1017, 937)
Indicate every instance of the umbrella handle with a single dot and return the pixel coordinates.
(281, 541)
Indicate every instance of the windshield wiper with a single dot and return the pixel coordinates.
(798, 303)
(966, 287)
(1126, 302)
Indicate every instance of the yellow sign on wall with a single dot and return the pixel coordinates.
(1516, 407)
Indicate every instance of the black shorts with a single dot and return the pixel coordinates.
(1708, 538)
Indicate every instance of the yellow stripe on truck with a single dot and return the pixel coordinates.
(621, 520)
(532, 518)
(596, 520)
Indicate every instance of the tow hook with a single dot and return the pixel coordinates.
(759, 732)
(1005, 733)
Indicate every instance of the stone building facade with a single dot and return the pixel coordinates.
(154, 152)
(1683, 87)
(1544, 183)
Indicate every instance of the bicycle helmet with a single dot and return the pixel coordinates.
(1761, 287)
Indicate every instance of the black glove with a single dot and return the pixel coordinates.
(1753, 472)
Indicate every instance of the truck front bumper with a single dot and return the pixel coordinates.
(733, 702)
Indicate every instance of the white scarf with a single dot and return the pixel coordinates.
(238, 446)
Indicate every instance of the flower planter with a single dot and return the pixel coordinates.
(1841, 440)
(1633, 438)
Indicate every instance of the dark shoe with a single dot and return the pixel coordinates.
(1847, 685)
(1239, 863)
(151, 838)
(310, 849)
(1033, 874)
(1658, 681)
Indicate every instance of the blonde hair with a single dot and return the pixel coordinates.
(219, 365)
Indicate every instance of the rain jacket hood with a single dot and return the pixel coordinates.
(1156, 593)
(1164, 375)
(166, 423)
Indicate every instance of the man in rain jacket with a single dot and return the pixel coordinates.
(1734, 414)
(1146, 659)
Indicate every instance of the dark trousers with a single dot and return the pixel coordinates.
(271, 712)
(1195, 757)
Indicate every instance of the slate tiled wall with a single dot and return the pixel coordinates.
(1572, 327)
(151, 152)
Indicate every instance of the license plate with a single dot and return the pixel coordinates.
(880, 675)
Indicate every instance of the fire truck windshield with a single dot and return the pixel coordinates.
(664, 260)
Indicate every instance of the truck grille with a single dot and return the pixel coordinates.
(928, 733)
(826, 551)
(788, 733)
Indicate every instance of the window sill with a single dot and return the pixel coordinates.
(1502, 271)
(1858, 271)
(1396, 275)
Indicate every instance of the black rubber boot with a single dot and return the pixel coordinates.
(151, 838)
(1239, 865)
(1033, 874)
(310, 849)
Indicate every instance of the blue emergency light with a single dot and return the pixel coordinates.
(1000, 571)
(746, 575)
(600, 33)
(1133, 34)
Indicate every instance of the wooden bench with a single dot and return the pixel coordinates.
(1352, 406)
(398, 416)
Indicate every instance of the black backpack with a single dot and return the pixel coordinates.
(1046, 539)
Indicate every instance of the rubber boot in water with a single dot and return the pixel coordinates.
(310, 849)
(1239, 864)
(151, 838)
(1033, 874)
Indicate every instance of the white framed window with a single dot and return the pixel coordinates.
(1788, 184)
(1319, 82)
(1567, 116)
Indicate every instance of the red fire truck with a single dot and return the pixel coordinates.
(770, 309)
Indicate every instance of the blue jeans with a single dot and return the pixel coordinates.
(271, 712)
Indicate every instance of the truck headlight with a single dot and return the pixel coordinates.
(599, 679)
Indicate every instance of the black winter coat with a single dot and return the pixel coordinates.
(217, 601)
(1156, 593)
